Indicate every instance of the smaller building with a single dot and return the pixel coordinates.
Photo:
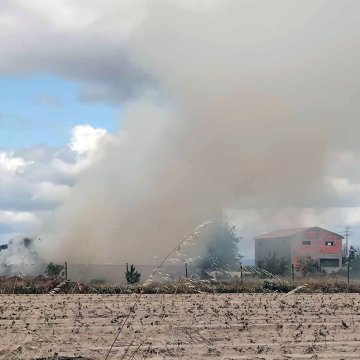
(316, 242)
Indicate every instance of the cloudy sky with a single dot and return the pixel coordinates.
(50, 120)
(69, 70)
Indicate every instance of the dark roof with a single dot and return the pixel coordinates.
(288, 232)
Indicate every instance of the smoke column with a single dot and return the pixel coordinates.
(245, 108)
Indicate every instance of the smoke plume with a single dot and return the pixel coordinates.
(248, 103)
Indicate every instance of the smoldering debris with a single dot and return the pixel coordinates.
(20, 257)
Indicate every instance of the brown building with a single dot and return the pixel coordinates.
(290, 243)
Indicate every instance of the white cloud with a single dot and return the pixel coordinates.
(35, 181)
(100, 29)
(11, 164)
(11, 217)
(85, 145)
(343, 186)
(85, 138)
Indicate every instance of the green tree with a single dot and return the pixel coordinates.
(354, 254)
(275, 266)
(354, 259)
(306, 265)
(132, 276)
(345, 255)
(222, 249)
(54, 270)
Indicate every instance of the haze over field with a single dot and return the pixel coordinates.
(246, 106)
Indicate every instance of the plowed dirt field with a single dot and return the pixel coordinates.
(224, 326)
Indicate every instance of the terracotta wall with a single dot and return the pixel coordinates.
(317, 239)
(298, 247)
(326, 236)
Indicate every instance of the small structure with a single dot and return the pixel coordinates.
(290, 243)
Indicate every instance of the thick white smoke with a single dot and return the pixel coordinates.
(20, 257)
(247, 104)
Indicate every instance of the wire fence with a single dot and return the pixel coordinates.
(115, 273)
(110, 273)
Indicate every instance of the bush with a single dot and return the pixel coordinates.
(306, 265)
(132, 276)
(277, 286)
(276, 266)
(54, 270)
(331, 288)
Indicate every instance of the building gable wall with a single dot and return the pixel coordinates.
(317, 248)
(265, 248)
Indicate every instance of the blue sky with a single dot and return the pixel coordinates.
(43, 109)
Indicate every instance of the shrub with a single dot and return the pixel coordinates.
(276, 266)
(330, 288)
(54, 270)
(306, 265)
(277, 286)
(132, 276)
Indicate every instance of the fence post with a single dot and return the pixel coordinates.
(186, 273)
(241, 274)
(293, 272)
(66, 275)
(348, 268)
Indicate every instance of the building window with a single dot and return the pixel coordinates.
(306, 242)
(329, 263)
(329, 243)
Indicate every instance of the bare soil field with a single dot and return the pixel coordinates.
(224, 326)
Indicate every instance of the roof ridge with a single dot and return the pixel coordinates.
(283, 233)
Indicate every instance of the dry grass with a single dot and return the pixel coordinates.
(27, 285)
(43, 285)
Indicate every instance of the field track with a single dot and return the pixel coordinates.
(223, 326)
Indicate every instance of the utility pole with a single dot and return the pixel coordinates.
(347, 234)
(241, 274)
